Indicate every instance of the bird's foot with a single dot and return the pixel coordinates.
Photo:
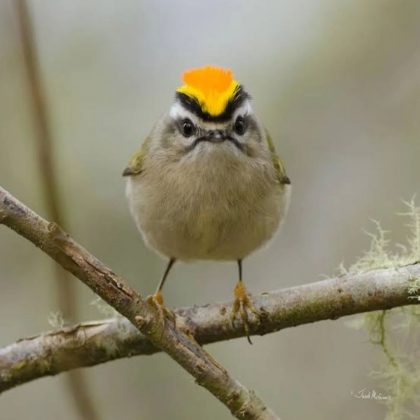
(241, 305)
(156, 300)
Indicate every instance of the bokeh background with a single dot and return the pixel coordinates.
(337, 84)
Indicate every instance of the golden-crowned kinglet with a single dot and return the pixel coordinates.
(207, 183)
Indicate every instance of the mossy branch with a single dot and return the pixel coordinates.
(96, 342)
(398, 337)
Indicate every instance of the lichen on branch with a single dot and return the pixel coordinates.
(396, 331)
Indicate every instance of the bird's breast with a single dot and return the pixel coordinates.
(194, 210)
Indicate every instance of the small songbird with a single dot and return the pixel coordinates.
(207, 183)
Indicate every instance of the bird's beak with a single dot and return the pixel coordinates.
(216, 136)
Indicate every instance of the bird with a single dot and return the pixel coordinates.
(207, 182)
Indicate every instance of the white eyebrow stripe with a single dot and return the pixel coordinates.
(177, 112)
(244, 109)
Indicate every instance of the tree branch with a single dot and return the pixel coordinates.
(96, 342)
(162, 332)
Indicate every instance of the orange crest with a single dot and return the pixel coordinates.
(212, 87)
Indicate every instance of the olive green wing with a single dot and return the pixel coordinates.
(277, 162)
(135, 165)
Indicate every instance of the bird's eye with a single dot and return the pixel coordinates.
(187, 127)
(240, 126)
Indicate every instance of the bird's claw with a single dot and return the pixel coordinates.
(156, 300)
(241, 305)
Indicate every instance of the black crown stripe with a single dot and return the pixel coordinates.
(192, 104)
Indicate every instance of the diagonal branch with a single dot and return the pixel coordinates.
(95, 342)
(163, 333)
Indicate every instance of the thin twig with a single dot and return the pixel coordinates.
(66, 292)
(148, 318)
(96, 342)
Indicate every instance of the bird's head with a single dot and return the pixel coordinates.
(212, 110)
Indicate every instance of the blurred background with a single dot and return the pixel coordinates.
(338, 86)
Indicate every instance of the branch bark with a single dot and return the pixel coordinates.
(96, 342)
(160, 330)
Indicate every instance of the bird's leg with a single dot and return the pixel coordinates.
(243, 303)
(156, 299)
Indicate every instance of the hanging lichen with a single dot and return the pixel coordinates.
(396, 331)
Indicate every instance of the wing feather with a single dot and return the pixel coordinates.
(135, 164)
(277, 162)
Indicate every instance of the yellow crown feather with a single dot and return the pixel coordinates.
(212, 87)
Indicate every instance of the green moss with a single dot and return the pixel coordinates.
(56, 320)
(414, 289)
(395, 331)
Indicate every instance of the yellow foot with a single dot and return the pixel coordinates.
(241, 305)
(156, 301)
